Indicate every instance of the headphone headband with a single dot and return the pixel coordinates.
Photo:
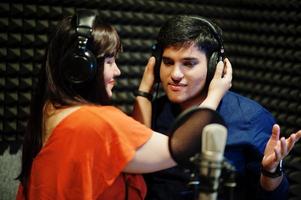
(84, 23)
(214, 32)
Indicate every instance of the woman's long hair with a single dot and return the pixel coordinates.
(52, 88)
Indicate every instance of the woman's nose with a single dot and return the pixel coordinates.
(117, 71)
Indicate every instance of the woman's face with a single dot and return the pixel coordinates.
(111, 71)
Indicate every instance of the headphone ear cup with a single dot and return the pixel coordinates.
(157, 53)
(212, 65)
(79, 66)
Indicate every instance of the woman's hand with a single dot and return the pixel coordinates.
(142, 110)
(219, 85)
(148, 78)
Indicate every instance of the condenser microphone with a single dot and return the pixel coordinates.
(214, 138)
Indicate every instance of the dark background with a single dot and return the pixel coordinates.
(262, 39)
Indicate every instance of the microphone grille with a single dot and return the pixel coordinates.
(214, 138)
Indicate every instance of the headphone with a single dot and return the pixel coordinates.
(79, 65)
(215, 57)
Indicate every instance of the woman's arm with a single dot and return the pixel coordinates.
(153, 156)
(142, 110)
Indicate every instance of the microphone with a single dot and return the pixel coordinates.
(214, 138)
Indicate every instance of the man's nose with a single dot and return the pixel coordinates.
(176, 73)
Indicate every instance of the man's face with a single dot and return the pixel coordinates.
(183, 74)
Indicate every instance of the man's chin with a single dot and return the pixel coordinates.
(177, 99)
(186, 101)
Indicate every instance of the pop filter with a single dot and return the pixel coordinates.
(186, 134)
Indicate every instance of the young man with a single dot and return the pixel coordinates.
(189, 48)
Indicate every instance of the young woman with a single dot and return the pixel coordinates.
(77, 146)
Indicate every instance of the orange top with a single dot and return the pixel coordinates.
(85, 155)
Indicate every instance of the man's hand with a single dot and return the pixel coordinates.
(277, 148)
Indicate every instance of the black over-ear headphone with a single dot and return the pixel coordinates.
(216, 56)
(79, 65)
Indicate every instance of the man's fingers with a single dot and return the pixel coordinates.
(298, 135)
(283, 147)
(277, 154)
(291, 142)
(275, 132)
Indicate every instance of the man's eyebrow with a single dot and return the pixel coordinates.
(190, 59)
(186, 58)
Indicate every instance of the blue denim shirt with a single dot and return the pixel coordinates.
(249, 128)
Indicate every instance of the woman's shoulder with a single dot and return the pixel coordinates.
(101, 110)
(87, 119)
(80, 115)
(96, 113)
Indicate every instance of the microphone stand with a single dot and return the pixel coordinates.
(229, 182)
(206, 186)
